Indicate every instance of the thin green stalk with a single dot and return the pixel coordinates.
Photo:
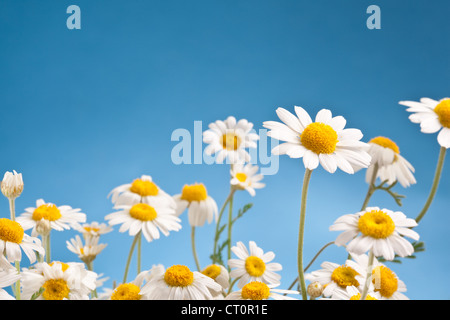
(368, 276)
(371, 187)
(216, 238)
(301, 231)
(232, 284)
(194, 251)
(230, 223)
(434, 186)
(130, 254)
(12, 208)
(90, 267)
(46, 243)
(139, 252)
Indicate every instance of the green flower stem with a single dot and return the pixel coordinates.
(371, 187)
(230, 223)
(139, 244)
(216, 237)
(46, 244)
(232, 284)
(130, 254)
(301, 230)
(90, 267)
(12, 211)
(368, 276)
(194, 251)
(437, 177)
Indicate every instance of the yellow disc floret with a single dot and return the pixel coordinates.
(242, 177)
(386, 143)
(231, 141)
(376, 224)
(144, 188)
(64, 266)
(55, 289)
(443, 112)
(212, 271)
(194, 192)
(385, 281)
(47, 211)
(345, 276)
(179, 276)
(143, 212)
(255, 291)
(358, 297)
(255, 266)
(11, 231)
(319, 138)
(126, 291)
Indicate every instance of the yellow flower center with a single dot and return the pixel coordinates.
(55, 289)
(241, 176)
(91, 229)
(126, 291)
(344, 276)
(212, 271)
(179, 276)
(358, 297)
(143, 212)
(376, 224)
(319, 138)
(255, 266)
(64, 266)
(384, 281)
(194, 192)
(255, 291)
(386, 143)
(11, 231)
(443, 112)
(47, 211)
(144, 188)
(231, 141)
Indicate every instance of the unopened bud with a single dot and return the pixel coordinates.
(43, 227)
(315, 289)
(12, 184)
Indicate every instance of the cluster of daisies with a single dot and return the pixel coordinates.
(144, 210)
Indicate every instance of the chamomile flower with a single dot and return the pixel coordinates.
(93, 229)
(12, 184)
(142, 189)
(60, 217)
(352, 293)
(86, 252)
(245, 177)
(229, 139)
(335, 277)
(201, 207)
(432, 116)
(253, 265)
(13, 240)
(218, 273)
(323, 141)
(151, 218)
(130, 290)
(380, 230)
(391, 166)
(58, 281)
(7, 278)
(178, 282)
(256, 290)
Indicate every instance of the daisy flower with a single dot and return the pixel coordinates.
(256, 290)
(244, 177)
(391, 166)
(131, 290)
(151, 218)
(7, 278)
(201, 207)
(352, 293)
(142, 189)
(253, 265)
(335, 277)
(323, 141)
(218, 273)
(12, 184)
(86, 252)
(13, 240)
(58, 281)
(432, 116)
(93, 229)
(229, 139)
(178, 282)
(60, 217)
(382, 231)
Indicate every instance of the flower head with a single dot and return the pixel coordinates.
(432, 116)
(245, 177)
(256, 290)
(88, 251)
(12, 184)
(229, 139)
(323, 141)
(380, 230)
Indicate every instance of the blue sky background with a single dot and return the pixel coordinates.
(83, 111)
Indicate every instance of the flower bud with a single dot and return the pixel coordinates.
(315, 289)
(12, 184)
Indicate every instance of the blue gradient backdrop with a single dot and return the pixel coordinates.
(83, 111)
